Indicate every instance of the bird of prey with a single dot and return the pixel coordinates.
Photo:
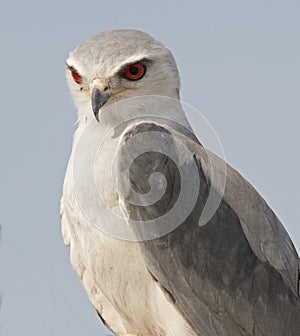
(236, 275)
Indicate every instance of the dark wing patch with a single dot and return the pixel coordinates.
(238, 274)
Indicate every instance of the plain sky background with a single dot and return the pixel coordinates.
(240, 66)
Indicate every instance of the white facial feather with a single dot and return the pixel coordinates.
(104, 56)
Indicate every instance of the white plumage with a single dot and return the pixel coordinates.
(237, 275)
(113, 272)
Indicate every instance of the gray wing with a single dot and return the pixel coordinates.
(238, 274)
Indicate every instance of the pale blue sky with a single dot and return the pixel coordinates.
(240, 66)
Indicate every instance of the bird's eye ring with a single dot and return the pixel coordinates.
(134, 71)
(77, 78)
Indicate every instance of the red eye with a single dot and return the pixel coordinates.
(134, 71)
(77, 78)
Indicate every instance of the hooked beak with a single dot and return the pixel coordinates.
(98, 100)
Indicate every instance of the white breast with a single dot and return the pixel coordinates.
(114, 274)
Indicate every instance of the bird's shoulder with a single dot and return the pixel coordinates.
(263, 231)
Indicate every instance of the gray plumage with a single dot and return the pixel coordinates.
(236, 275)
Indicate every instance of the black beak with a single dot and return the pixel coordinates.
(98, 100)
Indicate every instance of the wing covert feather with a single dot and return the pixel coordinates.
(238, 274)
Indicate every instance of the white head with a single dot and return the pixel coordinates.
(116, 65)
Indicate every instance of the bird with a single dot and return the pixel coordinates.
(147, 273)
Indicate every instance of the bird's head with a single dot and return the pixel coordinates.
(119, 64)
